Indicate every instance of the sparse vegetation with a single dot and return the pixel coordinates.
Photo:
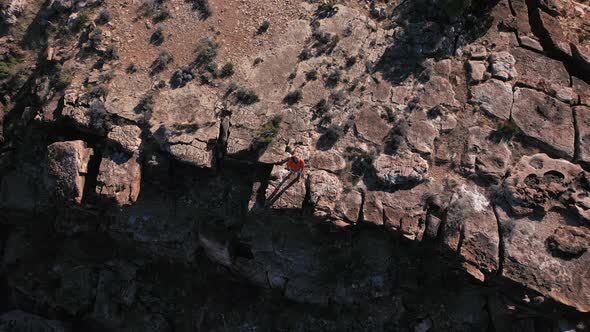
(131, 69)
(269, 130)
(227, 70)
(263, 27)
(163, 59)
(505, 130)
(8, 67)
(161, 15)
(305, 54)
(333, 78)
(293, 97)
(157, 37)
(326, 9)
(331, 135)
(246, 97)
(202, 6)
(320, 109)
(311, 75)
(361, 161)
(103, 17)
(350, 61)
(206, 51)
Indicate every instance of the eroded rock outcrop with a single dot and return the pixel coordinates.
(67, 167)
(545, 119)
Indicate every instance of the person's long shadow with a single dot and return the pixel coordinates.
(278, 192)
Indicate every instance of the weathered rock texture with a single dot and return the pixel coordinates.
(142, 166)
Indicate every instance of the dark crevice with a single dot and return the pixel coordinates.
(573, 65)
(577, 141)
(501, 248)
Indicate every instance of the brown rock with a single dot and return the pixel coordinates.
(284, 191)
(119, 178)
(486, 158)
(544, 255)
(539, 71)
(471, 230)
(477, 69)
(437, 91)
(503, 66)
(545, 119)
(538, 183)
(530, 43)
(582, 89)
(126, 136)
(582, 121)
(327, 161)
(404, 169)
(373, 208)
(422, 132)
(494, 97)
(325, 192)
(349, 206)
(67, 166)
(551, 29)
(370, 126)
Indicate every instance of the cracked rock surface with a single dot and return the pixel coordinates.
(447, 165)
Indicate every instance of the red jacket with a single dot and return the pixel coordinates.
(296, 166)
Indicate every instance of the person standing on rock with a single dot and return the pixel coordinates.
(296, 165)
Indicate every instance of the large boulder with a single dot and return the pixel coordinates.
(370, 126)
(503, 66)
(331, 201)
(485, 157)
(539, 71)
(67, 164)
(285, 191)
(119, 178)
(471, 231)
(538, 183)
(550, 256)
(582, 89)
(10, 10)
(582, 121)
(403, 169)
(494, 97)
(128, 137)
(546, 120)
(186, 123)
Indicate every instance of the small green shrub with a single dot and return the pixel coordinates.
(202, 6)
(350, 61)
(160, 15)
(103, 17)
(269, 130)
(293, 97)
(157, 38)
(326, 9)
(160, 63)
(131, 69)
(227, 70)
(311, 75)
(8, 67)
(246, 97)
(263, 27)
(333, 78)
(206, 51)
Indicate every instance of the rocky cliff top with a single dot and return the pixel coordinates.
(446, 142)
